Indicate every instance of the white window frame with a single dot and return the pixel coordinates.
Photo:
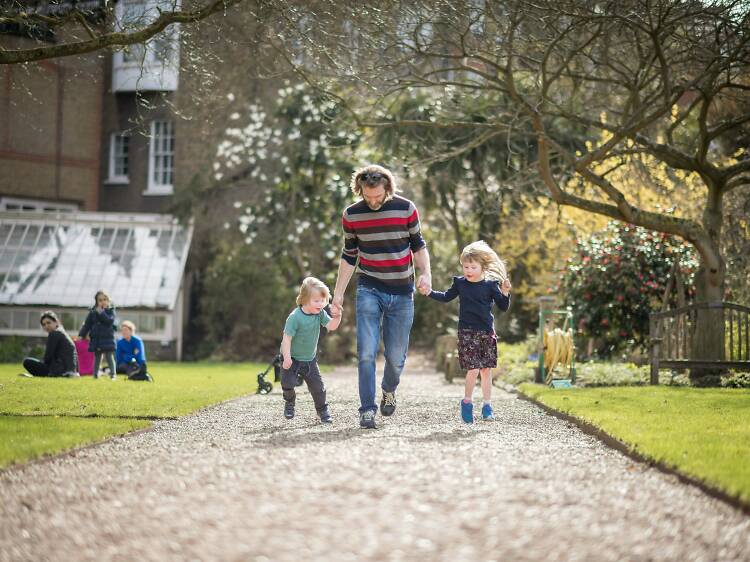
(113, 177)
(154, 187)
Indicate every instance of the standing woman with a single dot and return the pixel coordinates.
(100, 327)
(60, 357)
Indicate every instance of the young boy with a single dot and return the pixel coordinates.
(300, 343)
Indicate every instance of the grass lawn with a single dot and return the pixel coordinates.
(703, 433)
(47, 415)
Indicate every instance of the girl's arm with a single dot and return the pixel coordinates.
(107, 316)
(286, 351)
(501, 299)
(86, 328)
(447, 296)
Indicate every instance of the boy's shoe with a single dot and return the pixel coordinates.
(325, 416)
(487, 413)
(71, 375)
(288, 410)
(467, 412)
(367, 420)
(388, 403)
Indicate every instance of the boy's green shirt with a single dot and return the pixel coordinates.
(304, 330)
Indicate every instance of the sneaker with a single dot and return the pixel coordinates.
(467, 412)
(289, 410)
(325, 416)
(367, 420)
(29, 375)
(96, 375)
(113, 377)
(388, 403)
(487, 413)
(71, 375)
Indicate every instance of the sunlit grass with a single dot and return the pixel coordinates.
(703, 433)
(41, 416)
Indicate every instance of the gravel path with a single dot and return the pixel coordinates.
(239, 482)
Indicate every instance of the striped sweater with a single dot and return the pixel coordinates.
(383, 241)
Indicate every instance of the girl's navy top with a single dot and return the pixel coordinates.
(100, 326)
(475, 302)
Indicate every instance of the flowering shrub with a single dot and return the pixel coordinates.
(617, 277)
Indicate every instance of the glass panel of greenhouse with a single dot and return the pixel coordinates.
(62, 259)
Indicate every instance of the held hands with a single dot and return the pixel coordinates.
(506, 287)
(424, 285)
(336, 310)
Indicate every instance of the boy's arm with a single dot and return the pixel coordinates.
(334, 323)
(286, 351)
(140, 352)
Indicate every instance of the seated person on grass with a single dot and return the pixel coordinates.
(60, 357)
(130, 354)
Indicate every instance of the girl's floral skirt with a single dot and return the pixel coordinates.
(477, 349)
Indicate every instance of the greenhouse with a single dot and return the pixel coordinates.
(59, 260)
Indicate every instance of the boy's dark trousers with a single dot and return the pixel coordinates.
(311, 375)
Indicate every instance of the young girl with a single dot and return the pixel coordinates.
(299, 345)
(485, 281)
(100, 326)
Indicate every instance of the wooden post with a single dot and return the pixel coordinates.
(654, 350)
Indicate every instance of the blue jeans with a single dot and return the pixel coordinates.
(395, 313)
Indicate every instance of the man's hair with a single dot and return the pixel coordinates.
(128, 324)
(49, 314)
(479, 252)
(373, 175)
(308, 287)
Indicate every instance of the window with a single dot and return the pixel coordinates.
(150, 66)
(161, 159)
(17, 204)
(119, 147)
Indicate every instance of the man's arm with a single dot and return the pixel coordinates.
(346, 270)
(422, 259)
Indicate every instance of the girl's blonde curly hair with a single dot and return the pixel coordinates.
(492, 266)
(372, 175)
(311, 285)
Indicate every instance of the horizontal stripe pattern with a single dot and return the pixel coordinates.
(381, 243)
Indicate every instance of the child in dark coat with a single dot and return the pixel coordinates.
(100, 327)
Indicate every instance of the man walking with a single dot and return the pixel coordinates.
(382, 241)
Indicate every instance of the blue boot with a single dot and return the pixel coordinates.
(467, 411)
(487, 413)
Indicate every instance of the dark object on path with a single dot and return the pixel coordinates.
(264, 386)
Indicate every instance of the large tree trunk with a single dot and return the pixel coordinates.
(709, 327)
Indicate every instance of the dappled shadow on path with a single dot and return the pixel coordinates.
(281, 439)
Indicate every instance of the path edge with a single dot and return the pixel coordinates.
(620, 446)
